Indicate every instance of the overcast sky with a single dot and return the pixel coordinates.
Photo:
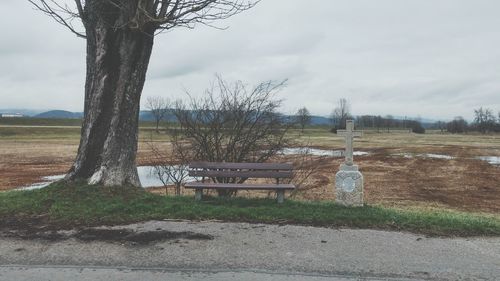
(428, 58)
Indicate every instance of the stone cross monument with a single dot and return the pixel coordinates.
(348, 180)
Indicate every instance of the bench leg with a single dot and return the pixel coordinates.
(198, 193)
(280, 196)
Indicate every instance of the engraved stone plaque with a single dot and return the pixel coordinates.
(349, 184)
(349, 187)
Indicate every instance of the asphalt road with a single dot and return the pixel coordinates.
(63, 273)
(241, 251)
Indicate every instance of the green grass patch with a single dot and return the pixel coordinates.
(39, 133)
(31, 121)
(66, 206)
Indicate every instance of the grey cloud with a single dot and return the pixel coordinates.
(429, 58)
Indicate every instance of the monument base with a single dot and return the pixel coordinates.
(349, 186)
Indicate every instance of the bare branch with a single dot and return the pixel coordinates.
(147, 15)
(80, 10)
(188, 13)
(61, 14)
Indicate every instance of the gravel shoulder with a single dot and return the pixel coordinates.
(242, 247)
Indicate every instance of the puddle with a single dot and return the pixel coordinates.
(493, 160)
(147, 176)
(319, 152)
(437, 156)
(424, 155)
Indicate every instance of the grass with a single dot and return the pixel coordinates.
(63, 129)
(313, 135)
(66, 206)
(39, 133)
(28, 121)
(33, 121)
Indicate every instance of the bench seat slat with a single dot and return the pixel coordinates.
(245, 166)
(241, 174)
(239, 186)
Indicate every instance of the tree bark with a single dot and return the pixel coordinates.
(117, 60)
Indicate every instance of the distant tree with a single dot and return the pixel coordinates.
(232, 124)
(440, 125)
(484, 120)
(303, 117)
(159, 108)
(379, 122)
(359, 122)
(416, 127)
(457, 126)
(340, 114)
(389, 122)
(497, 128)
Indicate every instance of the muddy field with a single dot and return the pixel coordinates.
(398, 169)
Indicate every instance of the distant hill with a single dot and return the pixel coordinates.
(320, 120)
(24, 112)
(147, 116)
(60, 114)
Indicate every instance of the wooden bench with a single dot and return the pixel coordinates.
(234, 175)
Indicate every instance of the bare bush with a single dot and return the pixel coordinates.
(171, 168)
(304, 166)
(233, 124)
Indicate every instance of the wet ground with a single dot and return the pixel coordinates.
(121, 236)
(424, 175)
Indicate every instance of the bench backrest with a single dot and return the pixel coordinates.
(240, 170)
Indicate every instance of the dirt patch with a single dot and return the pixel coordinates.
(23, 163)
(122, 236)
(129, 236)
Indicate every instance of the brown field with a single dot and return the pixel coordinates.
(462, 183)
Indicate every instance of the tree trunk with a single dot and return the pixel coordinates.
(117, 61)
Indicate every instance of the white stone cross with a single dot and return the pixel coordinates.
(349, 135)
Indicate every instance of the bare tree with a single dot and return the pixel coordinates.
(484, 120)
(440, 125)
(119, 36)
(340, 114)
(303, 118)
(233, 124)
(389, 122)
(159, 107)
(458, 125)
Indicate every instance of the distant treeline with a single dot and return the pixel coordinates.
(388, 123)
(484, 122)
